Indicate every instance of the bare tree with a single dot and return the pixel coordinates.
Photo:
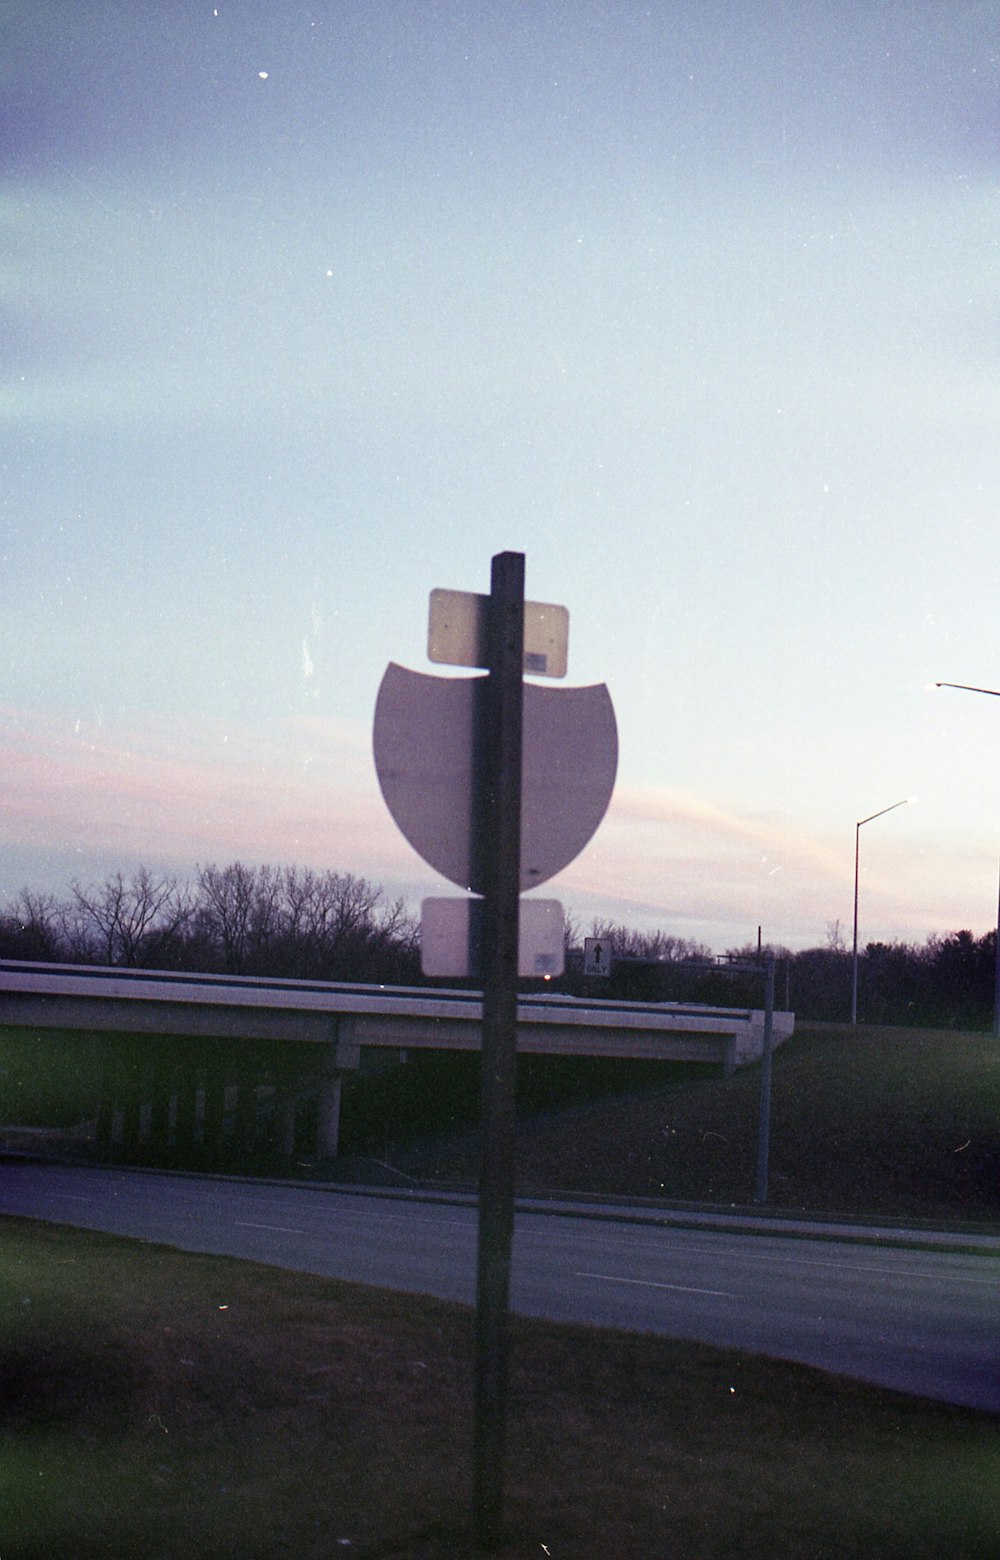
(238, 912)
(32, 927)
(124, 921)
(571, 932)
(336, 924)
(240, 919)
(298, 922)
(835, 936)
(657, 946)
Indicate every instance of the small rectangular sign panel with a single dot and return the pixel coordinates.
(450, 932)
(457, 633)
(596, 956)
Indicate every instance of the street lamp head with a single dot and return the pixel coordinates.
(968, 688)
(883, 810)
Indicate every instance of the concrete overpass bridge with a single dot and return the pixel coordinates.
(185, 1056)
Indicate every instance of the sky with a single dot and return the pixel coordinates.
(309, 309)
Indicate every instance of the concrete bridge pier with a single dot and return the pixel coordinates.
(246, 1083)
(286, 1106)
(321, 1079)
(175, 1094)
(106, 1096)
(343, 1055)
(161, 1091)
(215, 1104)
(328, 1115)
(130, 1099)
(186, 1100)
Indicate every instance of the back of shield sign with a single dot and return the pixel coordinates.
(426, 746)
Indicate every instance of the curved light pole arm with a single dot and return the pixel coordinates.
(857, 856)
(993, 692)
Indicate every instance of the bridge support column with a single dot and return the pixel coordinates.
(106, 1098)
(159, 1111)
(130, 1080)
(215, 1104)
(342, 1056)
(246, 1107)
(187, 1103)
(328, 1115)
(285, 1109)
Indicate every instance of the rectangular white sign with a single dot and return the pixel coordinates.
(457, 633)
(450, 933)
(596, 956)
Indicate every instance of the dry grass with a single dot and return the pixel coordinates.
(172, 1406)
(885, 1122)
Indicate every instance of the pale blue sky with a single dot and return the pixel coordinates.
(310, 308)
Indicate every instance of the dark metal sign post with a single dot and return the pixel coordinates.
(456, 758)
(764, 1122)
(500, 825)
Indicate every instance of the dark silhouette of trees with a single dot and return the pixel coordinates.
(628, 943)
(647, 966)
(237, 920)
(301, 924)
(820, 984)
(32, 928)
(946, 983)
(964, 970)
(131, 922)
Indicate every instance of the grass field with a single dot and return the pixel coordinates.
(901, 1123)
(163, 1405)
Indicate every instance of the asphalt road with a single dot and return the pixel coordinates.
(923, 1317)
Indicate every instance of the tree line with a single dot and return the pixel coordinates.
(300, 924)
(233, 920)
(947, 982)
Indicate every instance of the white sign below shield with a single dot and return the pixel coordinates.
(450, 932)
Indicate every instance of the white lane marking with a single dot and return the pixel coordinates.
(648, 1283)
(909, 1274)
(71, 1197)
(278, 1229)
(750, 1258)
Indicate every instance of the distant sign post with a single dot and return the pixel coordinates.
(498, 785)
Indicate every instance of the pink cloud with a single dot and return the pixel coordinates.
(181, 791)
(84, 797)
(685, 864)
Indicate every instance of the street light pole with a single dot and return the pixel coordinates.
(996, 976)
(994, 693)
(857, 858)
